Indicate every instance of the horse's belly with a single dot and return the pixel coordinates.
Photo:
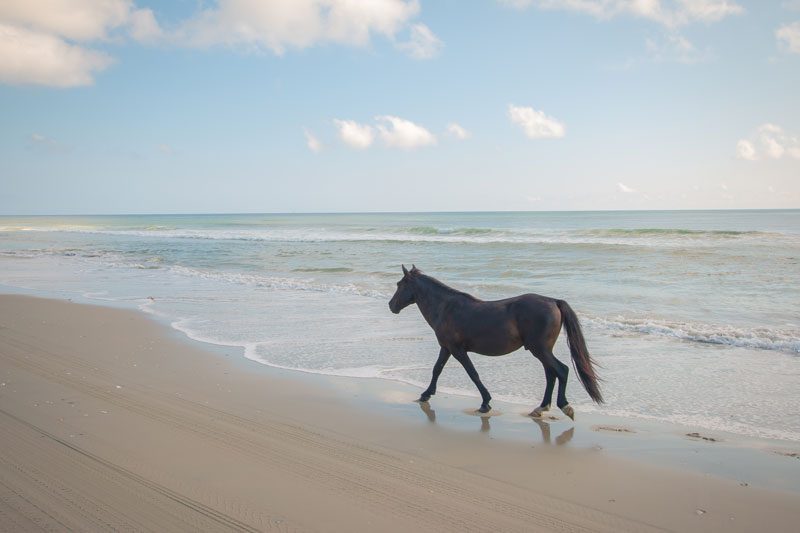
(499, 344)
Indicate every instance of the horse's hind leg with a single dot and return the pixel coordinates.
(465, 361)
(444, 355)
(553, 369)
(548, 392)
(561, 399)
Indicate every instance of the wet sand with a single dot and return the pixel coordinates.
(112, 421)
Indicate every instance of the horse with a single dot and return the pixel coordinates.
(463, 323)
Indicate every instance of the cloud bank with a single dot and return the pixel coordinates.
(49, 43)
(280, 24)
(671, 13)
(54, 42)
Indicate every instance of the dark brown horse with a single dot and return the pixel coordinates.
(463, 323)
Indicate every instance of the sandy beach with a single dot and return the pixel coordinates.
(111, 421)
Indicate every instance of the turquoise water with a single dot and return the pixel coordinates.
(693, 315)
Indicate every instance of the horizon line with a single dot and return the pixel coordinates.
(244, 213)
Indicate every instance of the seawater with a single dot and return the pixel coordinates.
(694, 316)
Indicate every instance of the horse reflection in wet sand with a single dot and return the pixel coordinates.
(463, 323)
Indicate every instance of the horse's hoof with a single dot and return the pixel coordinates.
(485, 408)
(537, 413)
(569, 411)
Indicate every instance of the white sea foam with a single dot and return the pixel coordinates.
(646, 238)
(278, 282)
(757, 338)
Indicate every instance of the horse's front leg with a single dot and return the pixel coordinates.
(444, 355)
(465, 361)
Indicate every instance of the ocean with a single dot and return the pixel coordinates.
(694, 316)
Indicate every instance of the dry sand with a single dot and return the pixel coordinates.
(110, 421)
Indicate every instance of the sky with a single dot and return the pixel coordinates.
(229, 106)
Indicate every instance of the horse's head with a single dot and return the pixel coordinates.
(404, 295)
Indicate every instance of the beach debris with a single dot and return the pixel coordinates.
(612, 429)
(700, 512)
(119, 386)
(744, 484)
(696, 435)
(794, 455)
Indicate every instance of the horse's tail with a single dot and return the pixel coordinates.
(581, 360)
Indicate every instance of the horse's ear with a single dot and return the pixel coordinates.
(405, 272)
(414, 269)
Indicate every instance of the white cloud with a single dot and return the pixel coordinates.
(279, 24)
(708, 10)
(423, 43)
(32, 57)
(768, 141)
(165, 148)
(746, 150)
(46, 42)
(78, 20)
(624, 188)
(40, 142)
(535, 124)
(359, 136)
(454, 130)
(671, 13)
(790, 33)
(403, 133)
(143, 26)
(676, 47)
(313, 143)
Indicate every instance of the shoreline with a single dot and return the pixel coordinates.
(744, 459)
(182, 435)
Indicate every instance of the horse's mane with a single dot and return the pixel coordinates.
(441, 286)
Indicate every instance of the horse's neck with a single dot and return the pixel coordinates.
(431, 298)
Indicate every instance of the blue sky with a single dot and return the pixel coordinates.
(115, 106)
